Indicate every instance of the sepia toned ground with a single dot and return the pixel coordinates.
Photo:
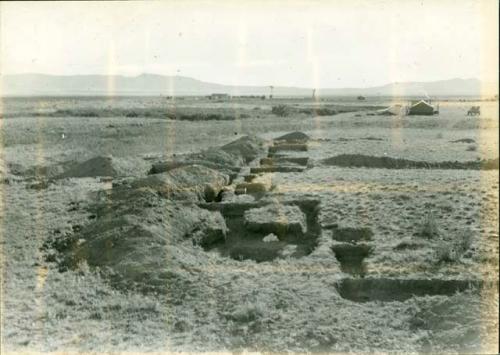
(383, 275)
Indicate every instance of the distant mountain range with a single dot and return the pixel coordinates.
(152, 84)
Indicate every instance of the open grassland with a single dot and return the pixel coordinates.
(372, 256)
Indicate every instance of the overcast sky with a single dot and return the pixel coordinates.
(293, 43)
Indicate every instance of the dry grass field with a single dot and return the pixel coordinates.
(339, 244)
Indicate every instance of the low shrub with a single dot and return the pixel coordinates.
(452, 251)
(281, 110)
(77, 113)
(246, 313)
(324, 112)
(429, 228)
(131, 114)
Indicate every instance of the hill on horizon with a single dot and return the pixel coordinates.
(153, 84)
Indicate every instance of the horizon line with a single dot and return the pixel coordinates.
(247, 85)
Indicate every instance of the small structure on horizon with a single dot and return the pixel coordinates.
(422, 107)
(218, 96)
(361, 98)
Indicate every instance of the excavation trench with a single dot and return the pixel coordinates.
(351, 257)
(281, 160)
(244, 242)
(390, 290)
(276, 169)
(283, 147)
(369, 161)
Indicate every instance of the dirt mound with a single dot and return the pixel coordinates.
(247, 147)
(191, 182)
(228, 159)
(293, 137)
(369, 161)
(98, 166)
(213, 159)
(139, 239)
(142, 231)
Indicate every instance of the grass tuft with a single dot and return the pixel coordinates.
(246, 313)
(429, 228)
(448, 252)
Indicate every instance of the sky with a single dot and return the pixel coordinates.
(337, 43)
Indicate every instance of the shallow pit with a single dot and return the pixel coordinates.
(281, 147)
(351, 257)
(249, 178)
(251, 188)
(276, 169)
(293, 137)
(243, 243)
(391, 290)
(279, 160)
(369, 161)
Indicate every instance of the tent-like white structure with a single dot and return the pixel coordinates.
(421, 108)
(394, 110)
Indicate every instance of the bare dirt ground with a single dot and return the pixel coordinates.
(401, 260)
